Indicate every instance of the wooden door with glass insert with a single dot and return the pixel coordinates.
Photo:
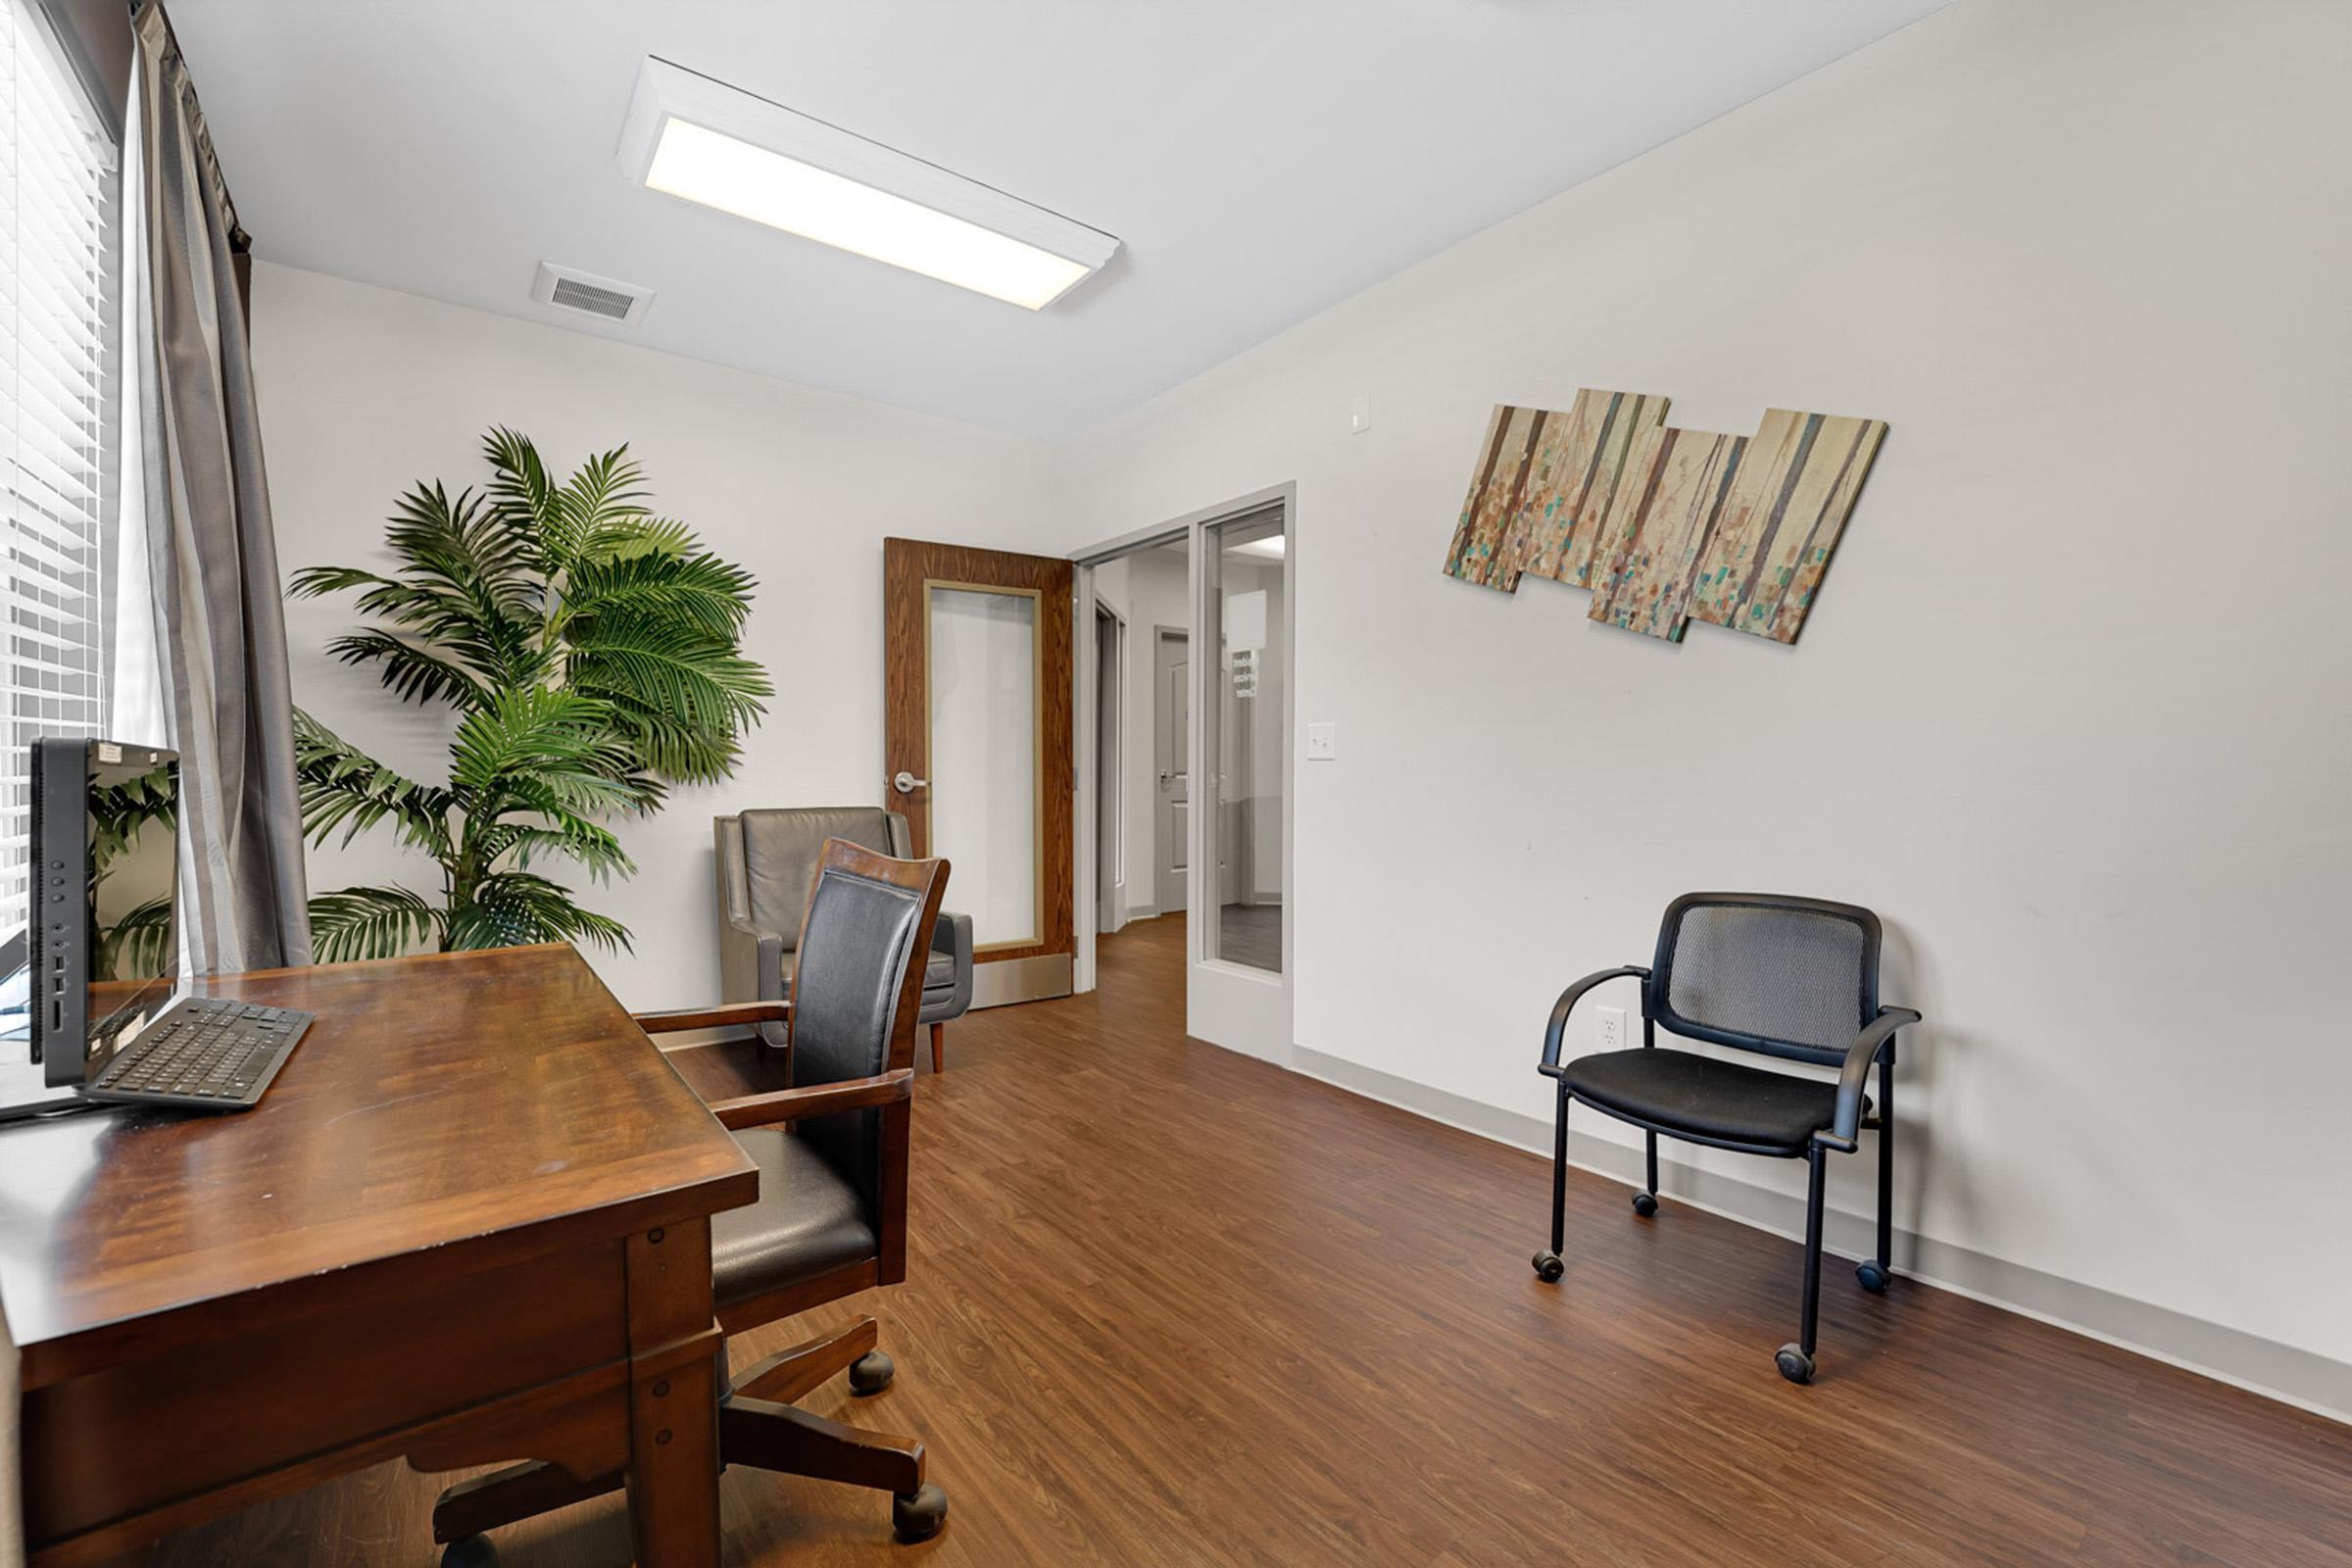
(977, 749)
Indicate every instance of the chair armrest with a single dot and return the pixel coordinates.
(1549, 1067)
(750, 960)
(1876, 1042)
(817, 1100)
(952, 934)
(726, 1015)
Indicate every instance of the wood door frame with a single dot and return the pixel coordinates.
(911, 571)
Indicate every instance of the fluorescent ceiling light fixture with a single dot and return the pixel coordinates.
(694, 137)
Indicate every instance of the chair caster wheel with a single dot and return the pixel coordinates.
(920, 1513)
(1873, 1278)
(1645, 1204)
(1795, 1364)
(475, 1551)
(871, 1373)
(1549, 1267)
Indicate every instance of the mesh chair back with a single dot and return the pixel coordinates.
(856, 943)
(1790, 977)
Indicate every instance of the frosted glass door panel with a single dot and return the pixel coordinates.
(985, 748)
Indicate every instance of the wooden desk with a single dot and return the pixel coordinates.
(469, 1223)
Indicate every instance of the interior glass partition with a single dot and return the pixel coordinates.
(1244, 737)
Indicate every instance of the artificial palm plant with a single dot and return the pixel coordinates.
(593, 654)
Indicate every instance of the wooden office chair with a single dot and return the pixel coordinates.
(831, 1219)
(1785, 977)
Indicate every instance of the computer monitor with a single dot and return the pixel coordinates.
(99, 939)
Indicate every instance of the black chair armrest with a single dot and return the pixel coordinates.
(1549, 1067)
(1876, 1042)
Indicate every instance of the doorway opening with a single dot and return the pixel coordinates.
(1191, 815)
(1110, 751)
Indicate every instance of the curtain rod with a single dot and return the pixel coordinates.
(239, 239)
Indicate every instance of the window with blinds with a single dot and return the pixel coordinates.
(57, 304)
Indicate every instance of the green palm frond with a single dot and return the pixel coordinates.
(369, 923)
(512, 907)
(341, 786)
(410, 673)
(594, 654)
(696, 590)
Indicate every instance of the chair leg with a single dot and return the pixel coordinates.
(1547, 1265)
(1645, 1202)
(483, 1503)
(789, 1375)
(939, 1048)
(1880, 1270)
(777, 1436)
(1795, 1361)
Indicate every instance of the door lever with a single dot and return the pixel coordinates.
(907, 783)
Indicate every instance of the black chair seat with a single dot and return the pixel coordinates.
(807, 1222)
(1687, 1093)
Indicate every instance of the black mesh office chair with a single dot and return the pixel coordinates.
(1794, 978)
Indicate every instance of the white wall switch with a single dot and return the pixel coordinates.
(1322, 742)
(1612, 1027)
(1359, 413)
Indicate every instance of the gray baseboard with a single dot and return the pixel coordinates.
(2282, 1372)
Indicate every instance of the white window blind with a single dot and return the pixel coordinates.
(56, 306)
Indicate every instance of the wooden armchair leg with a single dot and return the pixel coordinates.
(939, 1048)
(790, 1441)
(788, 1375)
(483, 1503)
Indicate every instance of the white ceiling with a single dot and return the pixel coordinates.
(1258, 159)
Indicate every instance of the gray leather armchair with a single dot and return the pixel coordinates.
(766, 861)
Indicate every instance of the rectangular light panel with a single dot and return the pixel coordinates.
(700, 140)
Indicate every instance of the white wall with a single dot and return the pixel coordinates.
(365, 391)
(2068, 711)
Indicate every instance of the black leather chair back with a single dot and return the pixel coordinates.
(1797, 978)
(861, 935)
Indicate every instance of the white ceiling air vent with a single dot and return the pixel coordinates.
(568, 288)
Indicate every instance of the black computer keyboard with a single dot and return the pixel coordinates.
(205, 1052)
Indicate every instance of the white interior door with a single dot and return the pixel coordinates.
(1172, 689)
(1237, 989)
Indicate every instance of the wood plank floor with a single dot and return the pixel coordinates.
(1169, 1306)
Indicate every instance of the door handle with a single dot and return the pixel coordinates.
(907, 783)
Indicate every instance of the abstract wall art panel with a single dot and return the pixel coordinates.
(1649, 546)
(1578, 460)
(1504, 459)
(1665, 525)
(1787, 504)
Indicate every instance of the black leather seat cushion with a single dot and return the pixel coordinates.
(808, 1221)
(1685, 1092)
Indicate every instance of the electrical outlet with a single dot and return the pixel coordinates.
(1323, 742)
(1612, 1027)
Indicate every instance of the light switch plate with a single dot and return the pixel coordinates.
(1359, 413)
(1322, 742)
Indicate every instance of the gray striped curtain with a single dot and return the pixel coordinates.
(194, 459)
